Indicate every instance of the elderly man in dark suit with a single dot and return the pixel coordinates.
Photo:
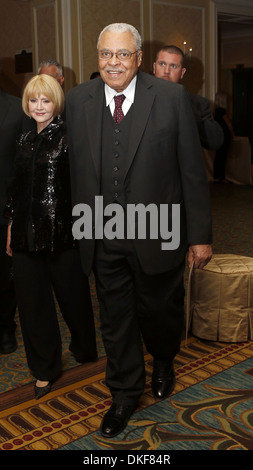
(170, 65)
(146, 153)
(11, 118)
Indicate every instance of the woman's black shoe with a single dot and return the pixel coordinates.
(41, 391)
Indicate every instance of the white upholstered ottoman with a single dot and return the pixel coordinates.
(221, 299)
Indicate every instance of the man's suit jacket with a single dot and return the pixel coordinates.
(210, 132)
(11, 118)
(164, 163)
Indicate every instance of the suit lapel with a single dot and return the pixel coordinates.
(144, 98)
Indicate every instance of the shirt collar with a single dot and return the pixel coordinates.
(128, 92)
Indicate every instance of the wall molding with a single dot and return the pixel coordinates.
(220, 6)
(202, 9)
(37, 6)
(66, 33)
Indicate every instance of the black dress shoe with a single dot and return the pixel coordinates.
(163, 379)
(8, 342)
(42, 391)
(116, 419)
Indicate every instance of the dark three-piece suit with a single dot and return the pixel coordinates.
(153, 156)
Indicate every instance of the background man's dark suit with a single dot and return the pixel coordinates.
(210, 132)
(11, 117)
(170, 65)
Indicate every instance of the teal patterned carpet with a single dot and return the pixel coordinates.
(232, 208)
(211, 407)
(14, 371)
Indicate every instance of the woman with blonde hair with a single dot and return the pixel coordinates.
(45, 257)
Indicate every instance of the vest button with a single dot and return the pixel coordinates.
(116, 142)
(115, 168)
(115, 183)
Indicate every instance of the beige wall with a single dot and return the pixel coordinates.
(174, 22)
(95, 15)
(159, 21)
(15, 35)
(67, 30)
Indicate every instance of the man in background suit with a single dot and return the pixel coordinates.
(151, 156)
(170, 65)
(53, 68)
(11, 118)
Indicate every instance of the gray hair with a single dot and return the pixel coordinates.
(48, 63)
(123, 28)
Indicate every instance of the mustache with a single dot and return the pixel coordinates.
(111, 69)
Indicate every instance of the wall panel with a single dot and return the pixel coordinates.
(95, 15)
(45, 18)
(174, 23)
(16, 35)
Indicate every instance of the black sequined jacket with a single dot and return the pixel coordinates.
(40, 200)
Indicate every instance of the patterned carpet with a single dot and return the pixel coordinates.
(14, 371)
(211, 407)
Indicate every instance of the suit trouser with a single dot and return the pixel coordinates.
(133, 306)
(8, 301)
(219, 165)
(35, 274)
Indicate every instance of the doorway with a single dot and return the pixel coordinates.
(243, 101)
(235, 66)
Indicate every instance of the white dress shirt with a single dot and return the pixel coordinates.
(129, 93)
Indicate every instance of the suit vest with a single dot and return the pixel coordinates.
(115, 139)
